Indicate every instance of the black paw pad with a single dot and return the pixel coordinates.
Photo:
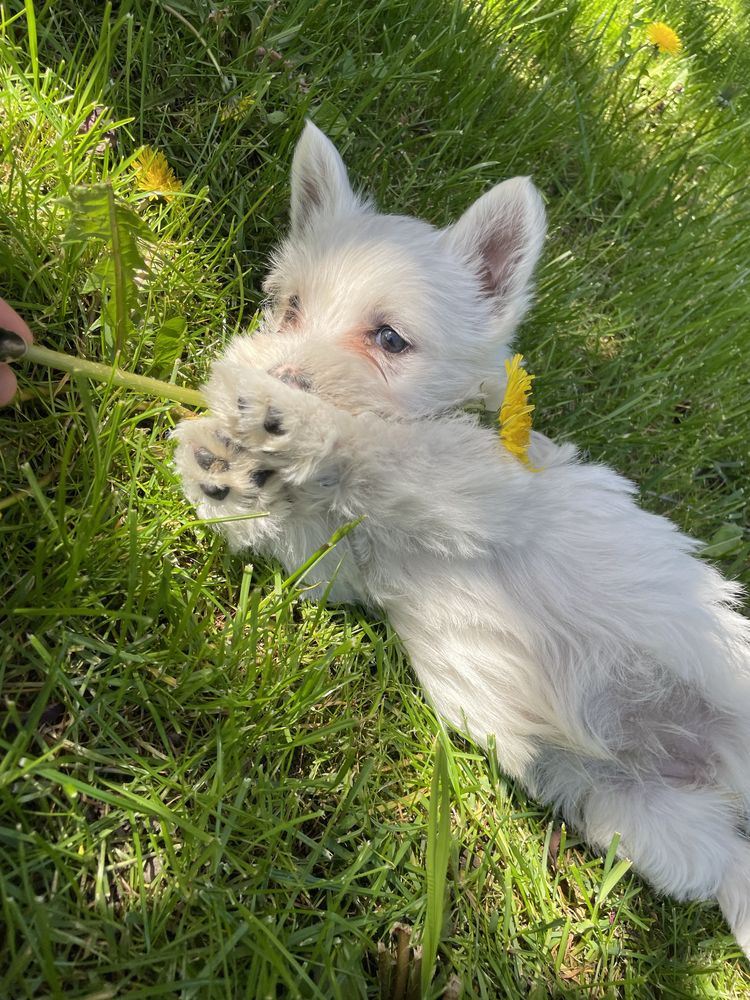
(260, 477)
(272, 424)
(215, 492)
(207, 460)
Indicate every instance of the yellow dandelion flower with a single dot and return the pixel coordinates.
(664, 38)
(153, 173)
(515, 411)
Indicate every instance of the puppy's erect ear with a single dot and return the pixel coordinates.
(501, 236)
(320, 183)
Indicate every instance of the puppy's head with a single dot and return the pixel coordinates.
(387, 313)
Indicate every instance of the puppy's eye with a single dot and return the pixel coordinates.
(392, 342)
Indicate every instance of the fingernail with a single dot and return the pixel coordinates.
(12, 346)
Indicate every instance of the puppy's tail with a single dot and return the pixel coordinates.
(734, 899)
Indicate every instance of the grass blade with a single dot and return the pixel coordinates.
(438, 853)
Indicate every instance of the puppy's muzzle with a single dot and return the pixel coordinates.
(290, 375)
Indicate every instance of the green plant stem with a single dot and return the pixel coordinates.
(113, 376)
(121, 318)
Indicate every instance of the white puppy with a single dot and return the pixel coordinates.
(541, 607)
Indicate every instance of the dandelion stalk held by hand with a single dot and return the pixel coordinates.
(13, 348)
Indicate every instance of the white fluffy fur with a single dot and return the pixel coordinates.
(543, 608)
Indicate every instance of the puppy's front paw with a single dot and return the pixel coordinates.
(287, 429)
(219, 475)
(264, 409)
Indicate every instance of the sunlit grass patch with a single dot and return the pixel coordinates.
(210, 787)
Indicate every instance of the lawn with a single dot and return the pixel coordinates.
(210, 788)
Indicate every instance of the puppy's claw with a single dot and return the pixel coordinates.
(226, 441)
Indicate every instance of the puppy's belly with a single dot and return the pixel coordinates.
(637, 723)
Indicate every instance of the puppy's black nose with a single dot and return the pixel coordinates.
(290, 375)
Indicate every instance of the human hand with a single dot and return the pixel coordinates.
(10, 320)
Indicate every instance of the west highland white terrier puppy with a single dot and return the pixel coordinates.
(542, 608)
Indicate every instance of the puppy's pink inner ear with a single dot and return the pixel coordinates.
(499, 252)
(310, 194)
(501, 236)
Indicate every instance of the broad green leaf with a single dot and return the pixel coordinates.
(168, 343)
(724, 542)
(97, 215)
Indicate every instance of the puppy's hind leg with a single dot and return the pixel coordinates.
(734, 899)
(684, 839)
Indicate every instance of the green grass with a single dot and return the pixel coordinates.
(209, 788)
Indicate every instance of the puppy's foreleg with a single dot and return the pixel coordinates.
(416, 483)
